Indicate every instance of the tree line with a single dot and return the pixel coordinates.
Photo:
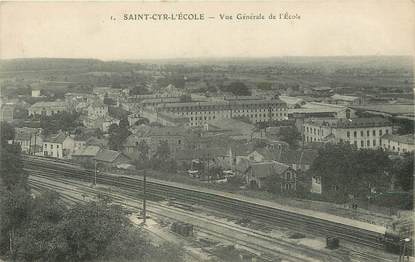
(44, 228)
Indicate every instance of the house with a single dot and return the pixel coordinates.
(53, 145)
(277, 177)
(74, 99)
(399, 144)
(110, 159)
(86, 156)
(102, 123)
(29, 139)
(36, 92)
(97, 109)
(47, 108)
(7, 112)
(13, 110)
(175, 137)
(361, 132)
(301, 159)
(261, 155)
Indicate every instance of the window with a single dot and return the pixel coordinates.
(51, 146)
(179, 142)
(361, 133)
(348, 134)
(354, 134)
(362, 144)
(374, 132)
(380, 132)
(387, 131)
(374, 142)
(57, 146)
(368, 133)
(368, 143)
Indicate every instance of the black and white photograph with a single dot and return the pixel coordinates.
(211, 131)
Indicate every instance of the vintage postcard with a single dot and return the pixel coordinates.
(207, 130)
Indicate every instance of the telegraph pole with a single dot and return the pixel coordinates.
(144, 197)
(95, 172)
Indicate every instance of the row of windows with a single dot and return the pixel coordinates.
(51, 146)
(394, 148)
(316, 131)
(288, 186)
(368, 143)
(368, 133)
(214, 109)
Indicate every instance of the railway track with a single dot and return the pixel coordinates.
(251, 239)
(281, 218)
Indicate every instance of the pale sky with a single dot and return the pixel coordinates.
(326, 28)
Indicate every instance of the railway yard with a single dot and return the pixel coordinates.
(226, 227)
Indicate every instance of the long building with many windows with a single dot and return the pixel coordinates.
(256, 110)
(361, 132)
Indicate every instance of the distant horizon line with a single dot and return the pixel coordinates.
(205, 57)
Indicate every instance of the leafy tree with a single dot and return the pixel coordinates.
(91, 227)
(124, 123)
(264, 85)
(65, 121)
(353, 171)
(7, 132)
(163, 151)
(117, 136)
(142, 121)
(42, 238)
(403, 169)
(15, 203)
(143, 150)
(139, 90)
(237, 88)
(11, 166)
(165, 252)
(290, 135)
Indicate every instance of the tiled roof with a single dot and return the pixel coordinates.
(49, 104)
(299, 157)
(397, 109)
(88, 151)
(266, 153)
(351, 123)
(106, 155)
(232, 124)
(56, 138)
(344, 98)
(280, 167)
(93, 141)
(167, 131)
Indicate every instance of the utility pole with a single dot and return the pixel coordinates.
(34, 153)
(144, 197)
(95, 172)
